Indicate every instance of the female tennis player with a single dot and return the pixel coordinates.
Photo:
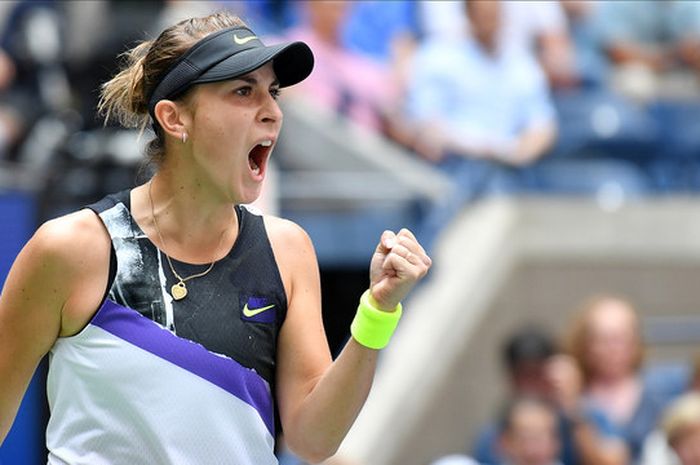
(181, 327)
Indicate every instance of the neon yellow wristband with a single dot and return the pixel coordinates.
(373, 327)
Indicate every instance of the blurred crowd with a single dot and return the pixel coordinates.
(598, 98)
(570, 96)
(590, 397)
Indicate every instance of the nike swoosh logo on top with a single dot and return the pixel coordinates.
(243, 40)
(248, 312)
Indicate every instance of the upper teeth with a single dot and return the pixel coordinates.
(266, 143)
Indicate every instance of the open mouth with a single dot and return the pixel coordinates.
(258, 156)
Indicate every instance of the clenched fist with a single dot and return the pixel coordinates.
(398, 263)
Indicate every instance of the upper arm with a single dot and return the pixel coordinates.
(302, 354)
(41, 284)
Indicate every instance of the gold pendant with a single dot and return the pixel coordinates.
(179, 291)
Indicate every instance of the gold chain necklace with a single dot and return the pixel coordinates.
(179, 289)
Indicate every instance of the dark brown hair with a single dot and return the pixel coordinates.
(124, 98)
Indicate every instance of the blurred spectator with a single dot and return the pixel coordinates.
(681, 424)
(538, 28)
(30, 80)
(605, 339)
(344, 81)
(591, 65)
(647, 38)
(267, 17)
(11, 122)
(379, 29)
(475, 98)
(535, 369)
(529, 433)
(656, 450)
(388, 33)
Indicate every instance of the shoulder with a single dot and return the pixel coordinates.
(286, 233)
(63, 268)
(68, 249)
(71, 235)
(293, 251)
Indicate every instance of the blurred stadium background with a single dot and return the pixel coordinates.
(610, 205)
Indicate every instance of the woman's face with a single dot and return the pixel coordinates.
(532, 438)
(234, 126)
(612, 342)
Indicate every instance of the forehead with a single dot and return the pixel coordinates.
(612, 314)
(532, 415)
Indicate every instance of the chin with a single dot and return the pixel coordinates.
(250, 197)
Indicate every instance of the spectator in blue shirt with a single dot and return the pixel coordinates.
(472, 97)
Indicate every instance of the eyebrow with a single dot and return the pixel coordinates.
(253, 81)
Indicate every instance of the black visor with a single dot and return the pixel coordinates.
(227, 54)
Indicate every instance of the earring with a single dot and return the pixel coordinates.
(184, 137)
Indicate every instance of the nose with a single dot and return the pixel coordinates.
(270, 111)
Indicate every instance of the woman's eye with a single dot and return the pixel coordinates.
(244, 91)
(275, 93)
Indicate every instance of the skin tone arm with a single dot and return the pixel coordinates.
(593, 449)
(320, 399)
(44, 293)
(596, 451)
(532, 144)
(557, 58)
(432, 143)
(630, 52)
(688, 52)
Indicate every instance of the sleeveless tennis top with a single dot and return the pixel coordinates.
(151, 380)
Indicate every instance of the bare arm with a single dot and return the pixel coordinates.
(595, 450)
(623, 53)
(320, 399)
(591, 446)
(526, 149)
(557, 58)
(38, 302)
(533, 143)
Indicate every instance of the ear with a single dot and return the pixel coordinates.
(173, 118)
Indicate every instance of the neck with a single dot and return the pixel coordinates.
(490, 47)
(196, 225)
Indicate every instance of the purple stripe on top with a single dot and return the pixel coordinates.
(222, 371)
